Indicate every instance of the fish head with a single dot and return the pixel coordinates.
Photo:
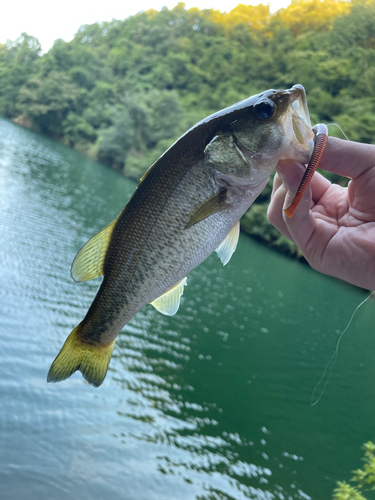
(271, 126)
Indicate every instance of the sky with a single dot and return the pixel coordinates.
(48, 20)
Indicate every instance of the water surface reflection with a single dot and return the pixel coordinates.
(213, 403)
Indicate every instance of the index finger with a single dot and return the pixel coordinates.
(347, 158)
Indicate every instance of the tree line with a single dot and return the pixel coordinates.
(123, 91)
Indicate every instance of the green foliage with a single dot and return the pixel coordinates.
(256, 224)
(76, 130)
(18, 63)
(365, 478)
(137, 162)
(199, 61)
(116, 140)
(207, 58)
(122, 91)
(346, 492)
(139, 123)
(47, 101)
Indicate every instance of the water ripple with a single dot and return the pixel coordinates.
(211, 404)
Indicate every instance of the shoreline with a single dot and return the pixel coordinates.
(254, 223)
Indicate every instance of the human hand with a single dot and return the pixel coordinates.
(333, 226)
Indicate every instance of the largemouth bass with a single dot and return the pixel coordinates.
(187, 205)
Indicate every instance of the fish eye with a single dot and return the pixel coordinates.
(265, 110)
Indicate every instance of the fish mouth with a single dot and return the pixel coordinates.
(297, 123)
(299, 105)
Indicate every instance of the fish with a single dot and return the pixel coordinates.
(187, 205)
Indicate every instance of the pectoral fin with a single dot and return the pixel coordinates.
(212, 206)
(169, 303)
(88, 263)
(226, 249)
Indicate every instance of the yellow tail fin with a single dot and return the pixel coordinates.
(92, 361)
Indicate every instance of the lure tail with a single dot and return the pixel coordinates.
(91, 360)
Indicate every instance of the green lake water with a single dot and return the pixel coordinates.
(213, 403)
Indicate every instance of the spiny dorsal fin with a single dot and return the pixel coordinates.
(212, 206)
(88, 263)
(226, 249)
(169, 303)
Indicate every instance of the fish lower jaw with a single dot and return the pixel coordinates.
(301, 156)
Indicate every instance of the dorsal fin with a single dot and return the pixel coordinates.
(228, 246)
(88, 263)
(169, 303)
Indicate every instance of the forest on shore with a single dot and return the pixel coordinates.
(123, 91)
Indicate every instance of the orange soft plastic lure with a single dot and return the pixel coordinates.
(321, 137)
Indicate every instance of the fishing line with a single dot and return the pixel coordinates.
(341, 130)
(333, 358)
